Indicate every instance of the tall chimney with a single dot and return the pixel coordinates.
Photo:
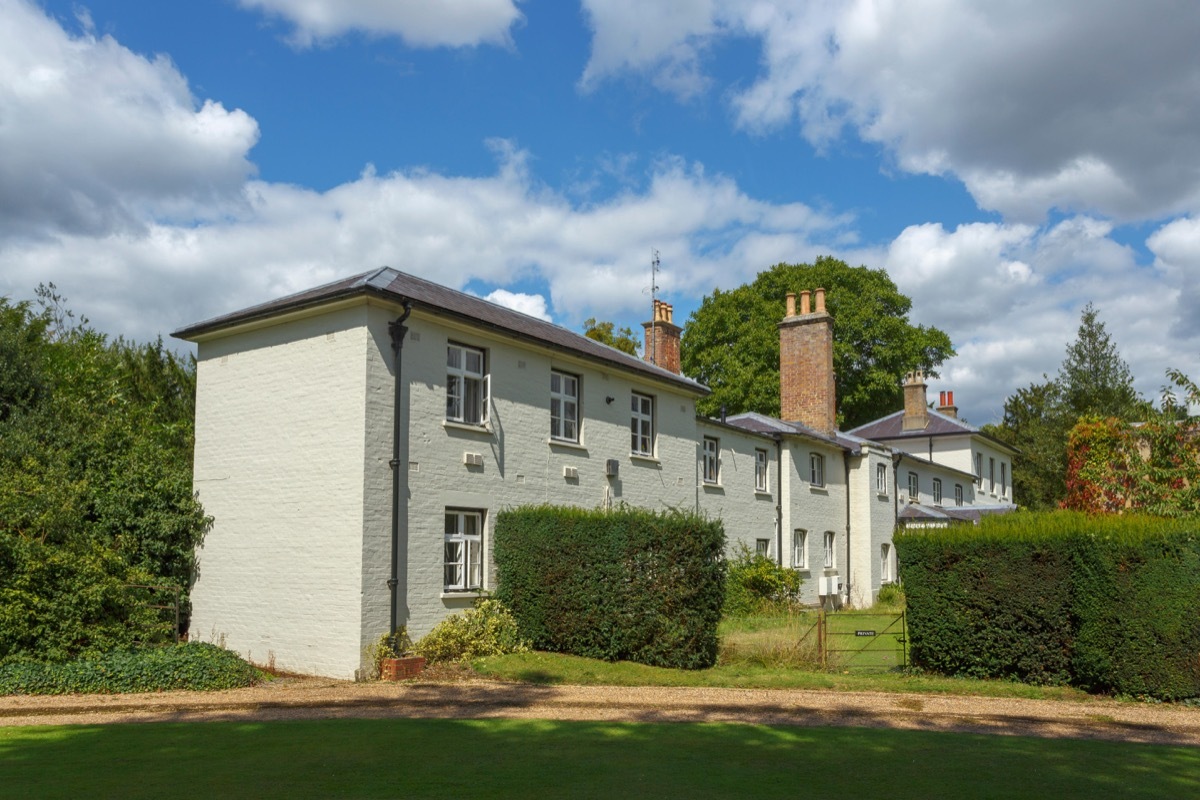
(916, 412)
(946, 405)
(662, 338)
(806, 381)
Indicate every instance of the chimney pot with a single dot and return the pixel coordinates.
(791, 304)
(804, 306)
(820, 301)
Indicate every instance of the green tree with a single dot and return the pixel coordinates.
(731, 342)
(622, 339)
(95, 481)
(1092, 381)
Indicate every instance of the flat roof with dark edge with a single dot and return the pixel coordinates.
(395, 286)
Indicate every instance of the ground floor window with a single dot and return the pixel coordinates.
(463, 561)
(800, 549)
(830, 557)
(885, 563)
(762, 547)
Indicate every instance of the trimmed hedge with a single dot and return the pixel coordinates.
(195, 665)
(1108, 604)
(627, 585)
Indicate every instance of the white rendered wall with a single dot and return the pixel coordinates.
(816, 509)
(279, 466)
(746, 513)
(872, 523)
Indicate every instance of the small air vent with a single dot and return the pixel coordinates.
(612, 467)
(473, 459)
(571, 473)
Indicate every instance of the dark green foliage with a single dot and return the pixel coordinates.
(196, 666)
(95, 482)
(488, 629)
(626, 585)
(755, 584)
(622, 339)
(1108, 604)
(731, 342)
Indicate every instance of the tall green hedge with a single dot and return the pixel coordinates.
(627, 585)
(1109, 604)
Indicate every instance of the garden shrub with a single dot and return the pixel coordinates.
(1103, 603)
(755, 584)
(488, 629)
(195, 665)
(629, 584)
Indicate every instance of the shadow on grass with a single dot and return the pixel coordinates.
(519, 758)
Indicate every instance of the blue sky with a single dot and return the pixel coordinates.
(1006, 162)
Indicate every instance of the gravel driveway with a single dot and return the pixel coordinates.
(314, 698)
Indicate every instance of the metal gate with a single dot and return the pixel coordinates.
(864, 641)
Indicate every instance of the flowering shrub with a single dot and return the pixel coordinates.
(488, 629)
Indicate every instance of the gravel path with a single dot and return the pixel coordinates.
(310, 698)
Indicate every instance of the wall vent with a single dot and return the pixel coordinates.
(473, 459)
(571, 473)
(612, 467)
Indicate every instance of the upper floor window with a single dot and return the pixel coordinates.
(1003, 478)
(830, 557)
(912, 486)
(937, 491)
(816, 469)
(800, 549)
(641, 425)
(979, 470)
(564, 407)
(462, 563)
(958, 494)
(881, 478)
(712, 460)
(467, 385)
(760, 470)
(992, 475)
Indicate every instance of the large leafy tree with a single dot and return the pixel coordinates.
(1093, 381)
(607, 333)
(731, 342)
(95, 481)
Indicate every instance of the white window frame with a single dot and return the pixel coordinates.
(992, 475)
(465, 385)
(816, 469)
(761, 467)
(830, 544)
(937, 491)
(762, 547)
(641, 425)
(462, 551)
(979, 470)
(881, 478)
(800, 549)
(710, 471)
(564, 406)
(958, 494)
(914, 486)
(1003, 478)
(885, 563)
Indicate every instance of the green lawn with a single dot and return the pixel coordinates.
(525, 759)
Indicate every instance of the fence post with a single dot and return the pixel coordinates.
(821, 635)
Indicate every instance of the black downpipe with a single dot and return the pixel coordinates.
(896, 458)
(397, 329)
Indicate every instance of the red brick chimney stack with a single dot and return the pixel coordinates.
(946, 404)
(662, 338)
(806, 381)
(916, 411)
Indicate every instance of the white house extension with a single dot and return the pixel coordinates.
(355, 442)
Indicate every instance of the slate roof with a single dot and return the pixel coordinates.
(892, 427)
(918, 511)
(760, 423)
(396, 286)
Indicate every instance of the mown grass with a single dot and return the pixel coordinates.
(522, 759)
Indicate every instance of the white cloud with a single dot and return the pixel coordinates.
(443, 23)
(533, 305)
(95, 138)
(1069, 105)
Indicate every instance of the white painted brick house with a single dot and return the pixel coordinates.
(355, 442)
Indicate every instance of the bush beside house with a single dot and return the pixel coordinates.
(1108, 604)
(629, 585)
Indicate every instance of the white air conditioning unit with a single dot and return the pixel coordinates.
(829, 585)
(473, 459)
(570, 473)
(612, 467)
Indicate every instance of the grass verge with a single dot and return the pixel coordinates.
(521, 759)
